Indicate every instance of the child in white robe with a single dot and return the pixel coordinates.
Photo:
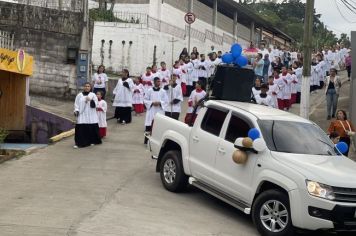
(294, 82)
(155, 102)
(263, 98)
(256, 89)
(137, 97)
(164, 74)
(147, 79)
(193, 102)
(101, 110)
(272, 92)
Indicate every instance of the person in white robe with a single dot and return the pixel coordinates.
(194, 103)
(203, 66)
(314, 79)
(123, 98)
(86, 128)
(137, 97)
(287, 91)
(101, 110)
(293, 85)
(155, 102)
(174, 99)
(147, 79)
(189, 68)
(298, 71)
(164, 74)
(263, 98)
(195, 72)
(256, 89)
(272, 92)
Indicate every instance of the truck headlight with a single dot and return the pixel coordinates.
(320, 190)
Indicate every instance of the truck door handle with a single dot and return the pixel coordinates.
(221, 150)
(195, 139)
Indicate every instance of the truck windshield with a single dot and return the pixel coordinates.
(296, 137)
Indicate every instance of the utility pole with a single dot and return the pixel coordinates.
(307, 48)
(353, 81)
(172, 41)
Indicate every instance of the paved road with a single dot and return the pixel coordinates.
(110, 189)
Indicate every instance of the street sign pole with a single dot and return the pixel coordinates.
(307, 47)
(353, 81)
(189, 30)
(189, 19)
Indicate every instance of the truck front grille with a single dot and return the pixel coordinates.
(345, 194)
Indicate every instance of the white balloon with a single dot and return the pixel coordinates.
(238, 142)
(259, 145)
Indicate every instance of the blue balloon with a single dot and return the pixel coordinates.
(236, 50)
(254, 133)
(227, 58)
(241, 61)
(342, 147)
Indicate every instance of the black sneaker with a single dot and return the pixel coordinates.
(328, 118)
(333, 116)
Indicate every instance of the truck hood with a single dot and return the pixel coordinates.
(337, 171)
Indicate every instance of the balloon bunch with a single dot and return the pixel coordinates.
(235, 56)
(253, 141)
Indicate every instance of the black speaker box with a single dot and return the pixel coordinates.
(232, 83)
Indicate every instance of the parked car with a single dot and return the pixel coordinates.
(298, 180)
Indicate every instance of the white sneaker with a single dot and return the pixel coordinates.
(75, 147)
(92, 144)
(123, 122)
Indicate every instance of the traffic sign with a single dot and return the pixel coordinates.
(189, 18)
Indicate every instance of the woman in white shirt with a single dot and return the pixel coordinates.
(100, 81)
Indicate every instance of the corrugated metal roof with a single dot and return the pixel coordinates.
(246, 16)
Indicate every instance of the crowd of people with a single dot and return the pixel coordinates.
(278, 77)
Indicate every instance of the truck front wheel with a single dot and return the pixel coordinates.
(172, 173)
(271, 214)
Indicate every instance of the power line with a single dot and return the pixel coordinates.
(342, 15)
(349, 6)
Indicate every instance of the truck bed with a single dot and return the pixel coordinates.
(167, 128)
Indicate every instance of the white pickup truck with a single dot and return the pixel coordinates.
(299, 181)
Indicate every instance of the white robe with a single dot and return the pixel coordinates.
(293, 84)
(287, 80)
(314, 80)
(123, 95)
(102, 114)
(299, 73)
(203, 69)
(138, 93)
(178, 73)
(267, 101)
(172, 94)
(87, 115)
(165, 76)
(154, 96)
(189, 69)
(147, 81)
(272, 92)
(194, 98)
(195, 73)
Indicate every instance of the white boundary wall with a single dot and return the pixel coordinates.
(140, 54)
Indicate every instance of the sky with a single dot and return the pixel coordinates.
(331, 17)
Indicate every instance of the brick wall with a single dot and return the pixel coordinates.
(45, 34)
